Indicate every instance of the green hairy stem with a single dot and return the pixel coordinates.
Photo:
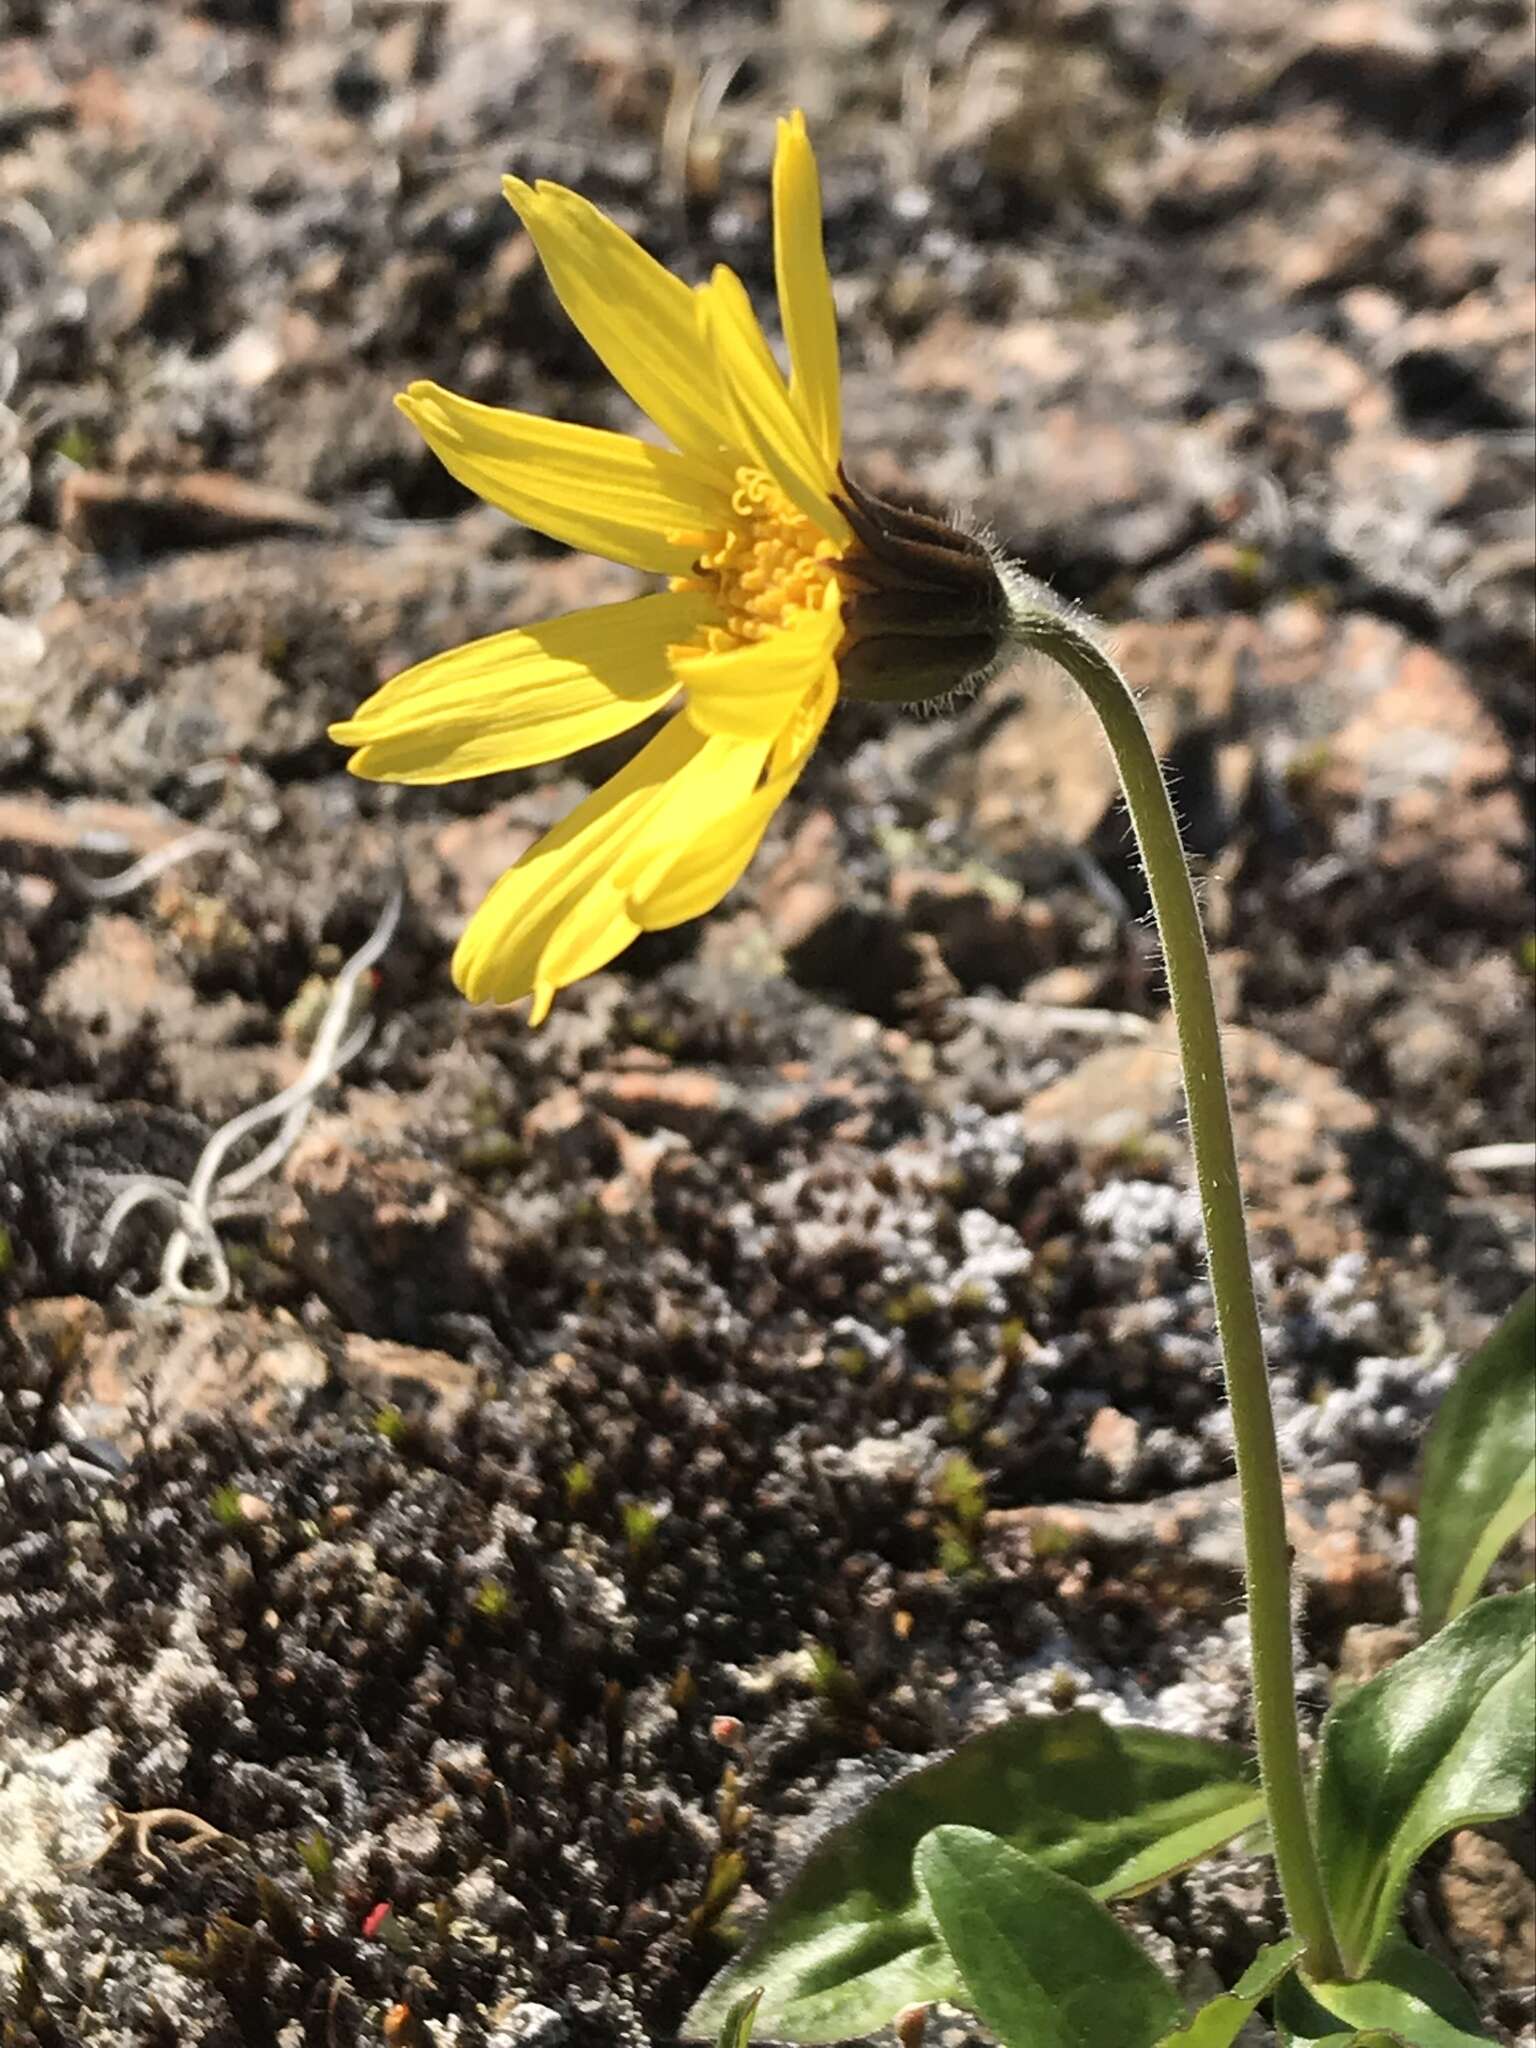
(1266, 1548)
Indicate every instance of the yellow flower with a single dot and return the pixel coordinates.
(784, 581)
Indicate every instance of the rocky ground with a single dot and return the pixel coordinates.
(732, 1346)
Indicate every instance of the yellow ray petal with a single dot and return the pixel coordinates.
(599, 924)
(766, 425)
(515, 699)
(560, 912)
(751, 691)
(674, 888)
(608, 493)
(805, 289)
(637, 317)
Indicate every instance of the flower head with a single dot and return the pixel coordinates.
(785, 583)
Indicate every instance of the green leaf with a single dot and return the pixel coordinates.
(1444, 1738)
(1218, 2024)
(736, 2027)
(1300, 2022)
(1479, 1467)
(1042, 1962)
(1308, 2026)
(1397, 2012)
(836, 1976)
(1408, 1998)
(848, 1943)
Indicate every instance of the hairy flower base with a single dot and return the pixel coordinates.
(931, 613)
(785, 583)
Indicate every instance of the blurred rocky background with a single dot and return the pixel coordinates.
(807, 1327)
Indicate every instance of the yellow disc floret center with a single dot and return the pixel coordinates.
(768, 564)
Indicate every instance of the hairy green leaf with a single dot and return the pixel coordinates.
(1408, 1999)
(1218, 2024)
(848, 1943)
(1479, 1467)
(1042, 1962)
(1443, 1739)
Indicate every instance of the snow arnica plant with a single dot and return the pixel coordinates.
(982, 1880)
